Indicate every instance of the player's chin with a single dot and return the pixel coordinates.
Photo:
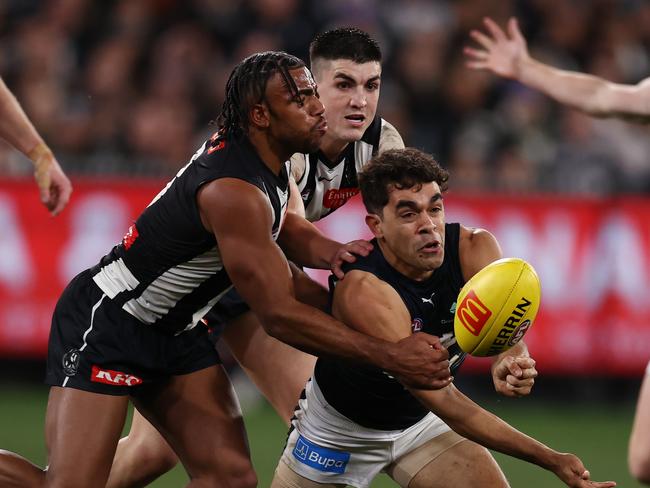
(353, 134)
(431, 262)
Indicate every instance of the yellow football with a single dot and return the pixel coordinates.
(496, 307)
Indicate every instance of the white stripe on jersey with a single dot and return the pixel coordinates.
(115, 278)
(199, 314)
(329, 179)
(165, 291)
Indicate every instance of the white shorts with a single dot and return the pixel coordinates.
(326, 447)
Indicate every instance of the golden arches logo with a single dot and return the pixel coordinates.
(473, 313)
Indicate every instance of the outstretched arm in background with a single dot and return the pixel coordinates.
(54, 186)
(505, 53)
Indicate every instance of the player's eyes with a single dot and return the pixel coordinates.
(343, 85)
(372, 86)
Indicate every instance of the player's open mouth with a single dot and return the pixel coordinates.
(356, 119)
(431, 247)
(322, 127)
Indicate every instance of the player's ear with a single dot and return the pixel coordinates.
(259, 115)
(373, 221)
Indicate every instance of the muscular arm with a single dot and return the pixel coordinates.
(239, 216)
(304, 244)
(506, 54)
(373, 307)
(17, 130)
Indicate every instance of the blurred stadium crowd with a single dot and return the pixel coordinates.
(129, 87)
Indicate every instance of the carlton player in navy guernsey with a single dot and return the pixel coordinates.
(127, 327)
(354, 422)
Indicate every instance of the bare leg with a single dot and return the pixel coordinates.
(81, 434)
(466, 464)
(285, 477)
(639, 448)
(141, 457)
(199, 415)
(278, 370)
(18, 472)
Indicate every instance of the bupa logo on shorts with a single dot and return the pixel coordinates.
(71, 362)
(110, 377)
(319, 457)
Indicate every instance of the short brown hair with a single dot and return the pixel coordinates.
(400, 168)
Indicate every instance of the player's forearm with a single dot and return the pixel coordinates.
(579, 90)
(473, 422)
(15, 127)
(305, 245)
(318, 333)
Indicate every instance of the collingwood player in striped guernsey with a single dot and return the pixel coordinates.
(353, 421)
(346, 63)
(127, 327)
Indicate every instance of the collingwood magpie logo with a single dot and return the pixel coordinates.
(71, 362)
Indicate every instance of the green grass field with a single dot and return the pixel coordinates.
(597, 433)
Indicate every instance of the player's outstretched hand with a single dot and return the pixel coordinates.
(420, 361)
(501, 53)
(514, 376)
(347, 254)
(570, 469)
(54, 186)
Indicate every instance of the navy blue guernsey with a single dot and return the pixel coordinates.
(167, 271)
(367, 395)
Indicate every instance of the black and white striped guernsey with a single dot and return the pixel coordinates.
(326, 185)
(167, 271)
(367, 395)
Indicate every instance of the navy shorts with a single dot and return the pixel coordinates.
(98, 347)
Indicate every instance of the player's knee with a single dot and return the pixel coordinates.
(640, 467)
(159, 458)
(153, 456)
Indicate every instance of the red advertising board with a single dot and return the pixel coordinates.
(592, 255)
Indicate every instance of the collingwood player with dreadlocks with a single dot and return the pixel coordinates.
(347, 67)
(127, 327)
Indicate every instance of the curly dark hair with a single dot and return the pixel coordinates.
(246, 86)
(398, 168)
(345, 43)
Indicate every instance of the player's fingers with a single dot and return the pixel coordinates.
(494, 29)
(514, 31)
(525, 362)
(363, 244)
(478, 54)
(516, 383)
(477, 65)
(513, 367)
(61, 197)
(358, 249)
(482, 39)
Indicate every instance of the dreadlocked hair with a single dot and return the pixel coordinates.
(246, 86)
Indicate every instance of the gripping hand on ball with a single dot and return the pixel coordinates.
(514, 374)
